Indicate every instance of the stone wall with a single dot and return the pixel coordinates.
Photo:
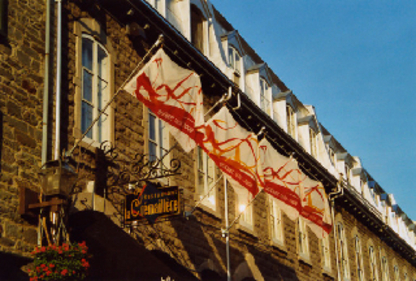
(21, 92)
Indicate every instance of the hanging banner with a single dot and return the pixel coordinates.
(173, 94)
(315, 207)
(296, 194)
(282, 179)
(234, 150)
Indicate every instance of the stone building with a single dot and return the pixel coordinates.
(67, 65)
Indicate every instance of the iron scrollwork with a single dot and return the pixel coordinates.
(123, 170)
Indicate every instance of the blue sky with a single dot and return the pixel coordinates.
(355, 61)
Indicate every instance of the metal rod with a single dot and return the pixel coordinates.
(156, 44)
(227, 236)
(58, 81)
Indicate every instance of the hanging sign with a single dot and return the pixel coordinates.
(152, 203)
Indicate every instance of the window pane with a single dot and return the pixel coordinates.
(86, 118)
(87, 53)
(231, 57)
(152, 127)
(102, 93)
(160, 138)
(87, 86)
(152, 152)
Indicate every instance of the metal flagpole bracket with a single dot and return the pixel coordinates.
(238, 102)
(226, 97)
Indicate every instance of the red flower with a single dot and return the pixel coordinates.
(73, 271)
(33, 278)
(59, 252)
(37, 268)
(43, 249)
(84, 252)
(51, 265)
(64, 272)
(48, 273)
(42, 265)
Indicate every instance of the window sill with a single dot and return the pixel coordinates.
(207, 208)
(246, 228)
(327, 272)
(278, 244)
(305, 259)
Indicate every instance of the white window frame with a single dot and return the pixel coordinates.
(359, 258)
(233, 58)
(396, 273)
(206, 179)
(303, 239)
(160, 141)
(385, 276)
(373, 263)
(326, 253)
(291, 121)
(343, 252)
(246, 219)
(101, 130)
(276, 222)
(265, 96)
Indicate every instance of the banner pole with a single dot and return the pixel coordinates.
(158, 42)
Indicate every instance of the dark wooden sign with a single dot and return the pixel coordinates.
(152, 203)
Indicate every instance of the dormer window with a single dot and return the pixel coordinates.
(265, 99)
(332, 155)
(197, 28)
(312, 142)
(347, 173)
(291, 121)
(234, 61)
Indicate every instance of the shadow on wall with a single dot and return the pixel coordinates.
(116, 255)
(270, 268)
(1, 137)
(10, 265)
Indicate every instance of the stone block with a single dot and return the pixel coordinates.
(30, 235)
(25, 140)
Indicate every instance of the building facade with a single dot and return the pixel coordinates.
(62, 62)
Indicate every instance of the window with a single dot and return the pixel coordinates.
(290, 120)
(206, 179)
(3, 18)
(347, 173)
(234, 62)
(303, 239)
(265, 99)
(95, 88)
(359, 259)
(197, 28)
(332, 155)
(243, 208)
(373, 263)
(343, 253)
(326, 253)
(396, 273)
(276, 222)
(158, 139)
(312, 142)
(385, 276)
